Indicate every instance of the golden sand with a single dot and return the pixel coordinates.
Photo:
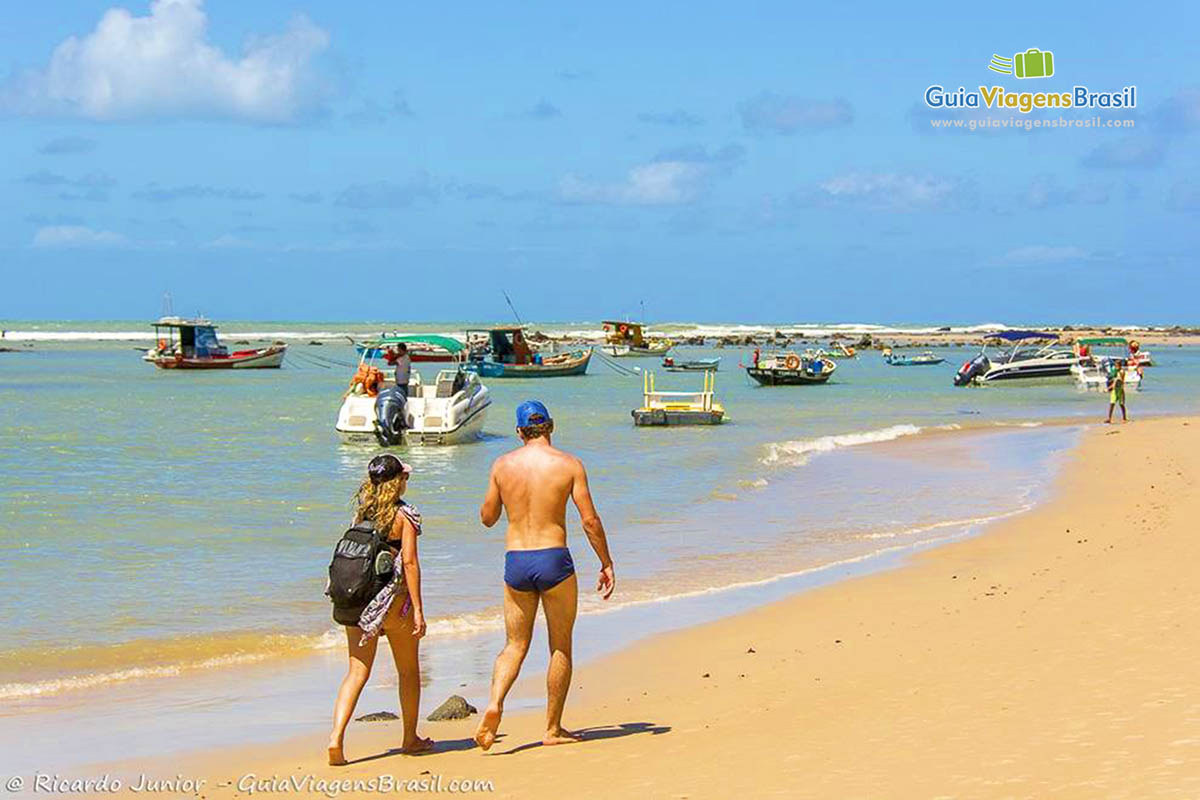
(1054, 656)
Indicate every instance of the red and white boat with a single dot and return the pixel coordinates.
(193, 344)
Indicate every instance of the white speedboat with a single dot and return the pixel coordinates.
(450, 410)
(1092, 369)
(1018, 361)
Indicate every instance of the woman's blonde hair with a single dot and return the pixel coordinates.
(378, 502)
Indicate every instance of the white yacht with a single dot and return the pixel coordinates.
(1019, 361)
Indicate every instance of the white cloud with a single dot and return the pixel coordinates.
(1045, 254)
(896, 191)
(659, 183)
(161, 65)
(52, 236)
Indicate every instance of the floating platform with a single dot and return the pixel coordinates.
(661, 409)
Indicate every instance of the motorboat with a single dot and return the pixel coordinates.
(193, 344)
(450, 410)
(678, 408)
(693, 365)
(506, 353)
(1093, 370)
(626, 339)
(928, 358)
(791, 369)
(1030, 355)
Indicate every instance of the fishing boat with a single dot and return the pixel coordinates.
(1031, 355)
(791, 369)
(928, 358)
(1092, 369)
(694, 365)
(450, 410)
(429, 349)
(678, 408)
(626, 339)
(193, 344)
(838, 350)
(506, 353)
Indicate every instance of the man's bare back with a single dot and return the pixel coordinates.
(533, 484)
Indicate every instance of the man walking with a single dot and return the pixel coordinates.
(532, 484)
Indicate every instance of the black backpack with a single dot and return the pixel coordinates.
(353, 582)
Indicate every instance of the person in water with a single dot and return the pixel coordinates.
(1116, 390)
(396, 611)
(532, 484)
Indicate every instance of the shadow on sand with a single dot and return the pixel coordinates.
(597, 733)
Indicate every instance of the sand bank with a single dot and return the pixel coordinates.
(1053, 656)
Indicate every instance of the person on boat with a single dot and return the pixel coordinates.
(757, 355)
(401, 359)
(397, 611)
(1116, 389)
(532, 484)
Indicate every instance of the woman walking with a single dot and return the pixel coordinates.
(396, 610)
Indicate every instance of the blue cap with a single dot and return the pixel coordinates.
(531, 412)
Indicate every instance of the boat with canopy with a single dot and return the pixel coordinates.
(506, 353)
(193, 344)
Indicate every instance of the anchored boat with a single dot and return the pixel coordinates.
(928, 358)
(678, 408)
(505, 353)
(193, 344)
(1020, 361)
(450, 410)
(421, 349)
(791, 369)
(1094, 370)
(626, 339)
(694, 365)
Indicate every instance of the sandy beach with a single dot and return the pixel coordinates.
(1051, 656)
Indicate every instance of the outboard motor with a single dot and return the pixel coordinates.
(972, 369)
(390, 414)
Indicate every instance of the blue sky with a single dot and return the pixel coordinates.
(280, 160)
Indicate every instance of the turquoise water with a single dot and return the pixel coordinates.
(155, 521)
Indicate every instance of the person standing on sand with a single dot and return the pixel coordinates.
(396, 611)
(1116, 390)
(532, 485)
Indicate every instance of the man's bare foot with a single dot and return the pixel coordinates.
(416, 746)
(336, 757)
(489, 723)
(561, 736)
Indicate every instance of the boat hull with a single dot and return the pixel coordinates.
(265, 358)
(629, 351)
(493, 369)
(357, 422)
(786, 377)
(416, 356)
(913, 362)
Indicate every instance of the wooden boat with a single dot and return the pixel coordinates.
(839, 350)
(791, 369)
(927, 358)
(626, 339)
(678, 408)
(695, 365)
(193, 344)
(429, 349)
(505, 353)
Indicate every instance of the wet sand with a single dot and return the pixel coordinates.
(1052, 656)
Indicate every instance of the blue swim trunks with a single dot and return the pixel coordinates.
(537, 570)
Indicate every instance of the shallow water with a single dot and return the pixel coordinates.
(156, 523)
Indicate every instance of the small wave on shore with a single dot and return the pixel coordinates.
(797, 452)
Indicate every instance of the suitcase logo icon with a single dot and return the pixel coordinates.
(1033, 63)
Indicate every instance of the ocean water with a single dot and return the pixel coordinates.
(157, 524)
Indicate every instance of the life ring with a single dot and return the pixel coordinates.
(792, 361)
(623, 329)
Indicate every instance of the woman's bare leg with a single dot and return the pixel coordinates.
(405, 652)
(361, 659)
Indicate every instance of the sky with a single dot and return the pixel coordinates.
(319, 161)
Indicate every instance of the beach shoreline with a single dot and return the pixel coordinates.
(1039, 657)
